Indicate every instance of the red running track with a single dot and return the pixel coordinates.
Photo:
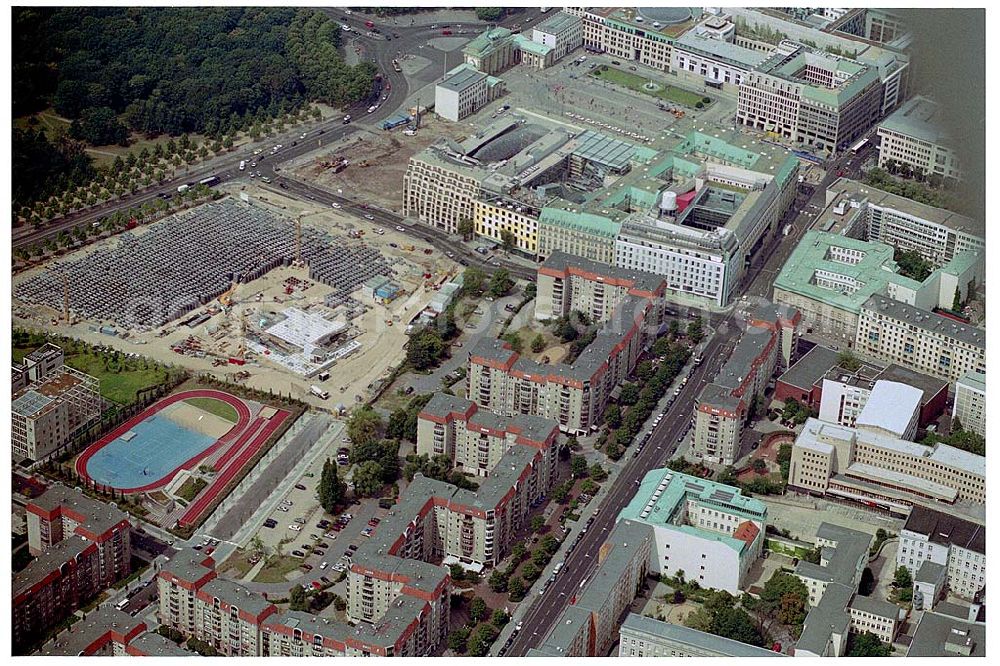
(242, 411)
(243, 439)
(207, 496)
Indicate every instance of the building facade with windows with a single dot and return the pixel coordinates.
(722, 407)
(970, 402)
(48, 412)
(493, 51)
(947, 540)
(82, 546)
(463, 91)
(496, 217)
(562, 32)
(623, 33)
(855, 464)
(440, 188)
(913, 136)
(918, 339)
(709, 531)
(642, 636)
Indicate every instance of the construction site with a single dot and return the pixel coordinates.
(369, 166)
(266, 291)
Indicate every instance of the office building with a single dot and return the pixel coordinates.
(943, 539)
(497, 218)
(836, 610)
(709, 531)
(850, 381)
(855, 464)
(561, 32)
(475, 439)
(889, 409)
(722, 407)
(642, 636)
(913, 137)
(918, 339)
(563, 227)
(440, 189)
(82, 546)
(702, 249)
(861, 211)
(707, 55)
(970, 402)
(829, 276)
(643, 35)
(463, 91)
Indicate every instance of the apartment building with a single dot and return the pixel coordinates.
(946, 540)
(836, 610)
(238, 622)
(829, 276)
(641, 636)
(82, 546)
(722, 407)
(562, 32)
(918, 339)
(914, 136)
(48, 412)
(107, 632)
(463, 91)
(590, 626)
(574, 395)
(568, 284)
(970, 402)
(880, 471)
(709, 531)
(477, 440)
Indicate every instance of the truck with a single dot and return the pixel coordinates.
(319, 392)
(211, 180)
(788, 230)
(396, 66)
(396, 121)
(183, 188)
(369, 24)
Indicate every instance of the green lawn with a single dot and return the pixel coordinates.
(190, 488)
(120, 387)
(214, 406)
(635, 82)
(276, 569)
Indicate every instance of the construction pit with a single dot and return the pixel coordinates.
(375, 161)
(278, 329)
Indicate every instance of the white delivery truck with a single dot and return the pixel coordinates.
(319, 392)
(183, 188)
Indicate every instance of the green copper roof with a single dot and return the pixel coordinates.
(664, 492)
(598, 225)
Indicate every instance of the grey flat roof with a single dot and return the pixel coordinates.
(930, 386)
(603, 149)
(187, 565)
(557, 23)
(30, 403)
(809, 369)
(930, 572)
(718, 645)
(465, 77)
(920, 118)
(934, 631)
(875, 606)
(98, 517)
(80, 636)
(561, 261)
(155, 645)
(927, 320)
(236, 595)
(49, 561)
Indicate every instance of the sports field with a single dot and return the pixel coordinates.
(146, 451)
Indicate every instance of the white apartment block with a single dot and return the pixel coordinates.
(970, 402)
(859, 465)
(945, 539)
(642, 636)
(920, 340)
(913, 136)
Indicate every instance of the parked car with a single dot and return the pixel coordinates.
(300, 486)
(298, 553)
